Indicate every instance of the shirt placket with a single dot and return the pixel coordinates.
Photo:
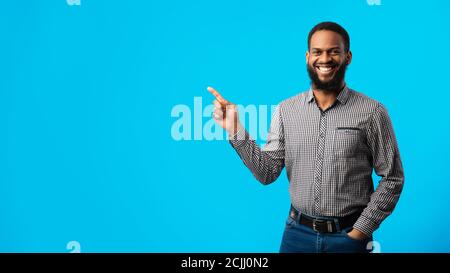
(318, 166)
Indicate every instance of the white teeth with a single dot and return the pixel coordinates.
(324, 69)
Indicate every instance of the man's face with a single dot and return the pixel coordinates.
(327, 60)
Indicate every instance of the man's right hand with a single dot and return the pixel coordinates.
(225, 113)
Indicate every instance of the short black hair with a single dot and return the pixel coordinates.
(331, 26)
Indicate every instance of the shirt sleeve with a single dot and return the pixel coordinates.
(387, 164)
(267, 163)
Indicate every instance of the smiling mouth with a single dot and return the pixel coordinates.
(325, 69)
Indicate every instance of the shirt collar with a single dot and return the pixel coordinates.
(342, 96)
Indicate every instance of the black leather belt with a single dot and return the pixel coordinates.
(322, 225)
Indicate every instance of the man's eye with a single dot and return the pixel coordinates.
(317, 53)
(335, 52)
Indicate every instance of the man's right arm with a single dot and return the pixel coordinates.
(267, 163)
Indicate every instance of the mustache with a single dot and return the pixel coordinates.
(330, 63)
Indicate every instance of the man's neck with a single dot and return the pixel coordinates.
(325, 99)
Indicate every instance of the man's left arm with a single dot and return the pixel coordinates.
(387, 164)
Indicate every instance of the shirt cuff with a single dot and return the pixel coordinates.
(238, 140)
(365, 225)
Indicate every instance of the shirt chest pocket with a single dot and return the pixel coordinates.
(348, 142)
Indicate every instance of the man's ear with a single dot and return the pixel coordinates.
(348, 57)
(307, 56)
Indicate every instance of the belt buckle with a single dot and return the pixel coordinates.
(315, 221)
(320, 221)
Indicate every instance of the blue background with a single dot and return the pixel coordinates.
(86, 92)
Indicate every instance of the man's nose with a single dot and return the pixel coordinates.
(325, 57)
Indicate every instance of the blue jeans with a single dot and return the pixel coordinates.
(298, 238)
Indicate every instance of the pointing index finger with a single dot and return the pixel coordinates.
(217, 95)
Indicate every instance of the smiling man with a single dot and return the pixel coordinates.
(330, 139)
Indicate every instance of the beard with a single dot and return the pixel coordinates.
(331, 85)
